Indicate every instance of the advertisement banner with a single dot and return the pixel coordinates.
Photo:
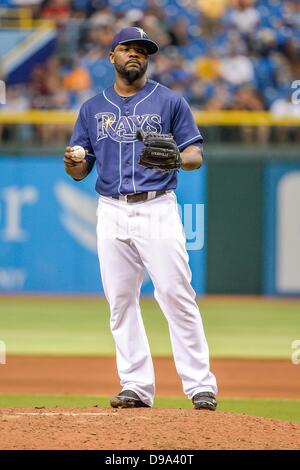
(48, 227)
(282, 229)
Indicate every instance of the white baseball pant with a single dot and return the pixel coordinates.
(131, 237)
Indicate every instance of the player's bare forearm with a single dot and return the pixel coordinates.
(78, 170)
(191, 158)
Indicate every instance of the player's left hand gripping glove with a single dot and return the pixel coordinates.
(160, 151)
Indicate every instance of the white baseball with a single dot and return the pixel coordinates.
(78, 153)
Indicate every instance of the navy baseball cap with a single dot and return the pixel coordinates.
(133, 34)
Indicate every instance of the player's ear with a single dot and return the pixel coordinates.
(112, 57)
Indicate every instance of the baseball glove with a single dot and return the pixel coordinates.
(160, 151)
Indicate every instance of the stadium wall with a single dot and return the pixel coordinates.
(48, 227)
(241, 217)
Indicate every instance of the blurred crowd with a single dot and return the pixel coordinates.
(219, 54)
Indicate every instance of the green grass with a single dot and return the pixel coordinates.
(276, 409)
(235, 327)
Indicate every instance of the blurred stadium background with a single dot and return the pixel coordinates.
(237, 62)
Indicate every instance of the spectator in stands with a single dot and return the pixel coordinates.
(179, 33)
(208, 67)
(284, 107)
(244, 17)
(77, 82)
(219, 54)
(236, 68)
(57, 10)
(246, 98)
(212, 13)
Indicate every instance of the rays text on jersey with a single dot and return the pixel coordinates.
(124, 128)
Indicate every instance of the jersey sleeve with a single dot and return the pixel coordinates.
(80, 136)
(184, 128)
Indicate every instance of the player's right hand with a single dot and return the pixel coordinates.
(68, 158)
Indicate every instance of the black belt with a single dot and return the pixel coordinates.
(139, 197)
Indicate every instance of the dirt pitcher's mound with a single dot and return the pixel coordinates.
(151, 429)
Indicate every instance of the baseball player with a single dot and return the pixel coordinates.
(139, 133)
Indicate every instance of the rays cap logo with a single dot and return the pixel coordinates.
(133, 34)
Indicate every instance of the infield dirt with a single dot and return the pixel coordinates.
(98, 376)
(151, 429)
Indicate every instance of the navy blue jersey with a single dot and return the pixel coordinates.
(107, 124)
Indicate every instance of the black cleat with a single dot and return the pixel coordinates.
(127, 399)
(204, 401)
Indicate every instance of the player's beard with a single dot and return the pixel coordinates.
(131, 74)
